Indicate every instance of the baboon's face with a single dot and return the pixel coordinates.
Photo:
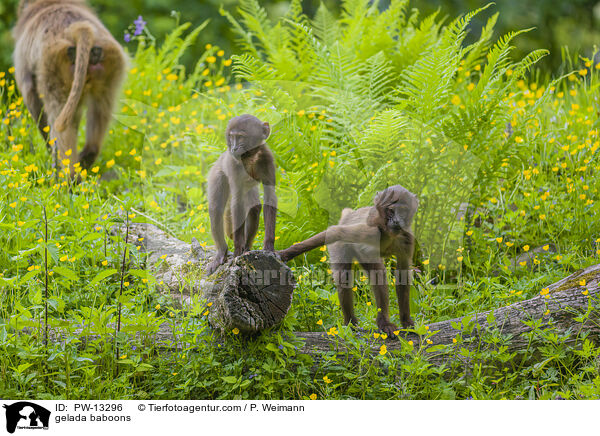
(397, 206)
(245, 133)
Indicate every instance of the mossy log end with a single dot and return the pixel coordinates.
(251, 292)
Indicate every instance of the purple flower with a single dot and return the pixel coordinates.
(139, 26)
(127, 37)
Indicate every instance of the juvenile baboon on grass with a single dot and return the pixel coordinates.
(369, 235)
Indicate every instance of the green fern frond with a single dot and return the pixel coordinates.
(476, 51)
(245, 38)
(521, 67)
(326, 27)
(375, 79)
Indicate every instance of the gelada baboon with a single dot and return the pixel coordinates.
(64, 56)
(233, 198)
(368, 235)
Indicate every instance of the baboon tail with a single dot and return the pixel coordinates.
(83, 35)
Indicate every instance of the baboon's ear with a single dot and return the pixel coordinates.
(416, 200)
(266, 130)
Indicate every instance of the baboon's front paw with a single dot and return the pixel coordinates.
(216, 263)
(387, 327)
(408, 322)
(87, 158)
(353, 322)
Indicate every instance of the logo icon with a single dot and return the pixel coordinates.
(26, 415)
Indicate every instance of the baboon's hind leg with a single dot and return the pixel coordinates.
(98, 117)
(26, 82)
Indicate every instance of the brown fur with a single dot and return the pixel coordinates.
(55, 85)
(369, 235)
(233, 198)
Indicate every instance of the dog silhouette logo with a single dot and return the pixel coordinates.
(26, 415)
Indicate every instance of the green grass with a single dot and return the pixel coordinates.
(353, 109)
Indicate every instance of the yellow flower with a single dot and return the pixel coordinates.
(469, 233)
(426, 262)
(301, 112)
(455, 100)
(582, 282)
(104, 262)
(499, 240)
(545, 291)
(332, 331)
(454, 340)
(585, 292)
(235, 331)
(13, 205)
(227, 62)
(525, 247)
(429, 341)
(63, 258)
(157, 306)
(327, 380)
(313, 396)
(410, 343)
(110, 163)
(518, 139)
(211, 59)
(396, 332)
(124, 356)
(172, 77)
(382, 350)
(320, 322)
(164, 256)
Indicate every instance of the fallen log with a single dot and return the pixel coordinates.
(569, 305)
(250, 293)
